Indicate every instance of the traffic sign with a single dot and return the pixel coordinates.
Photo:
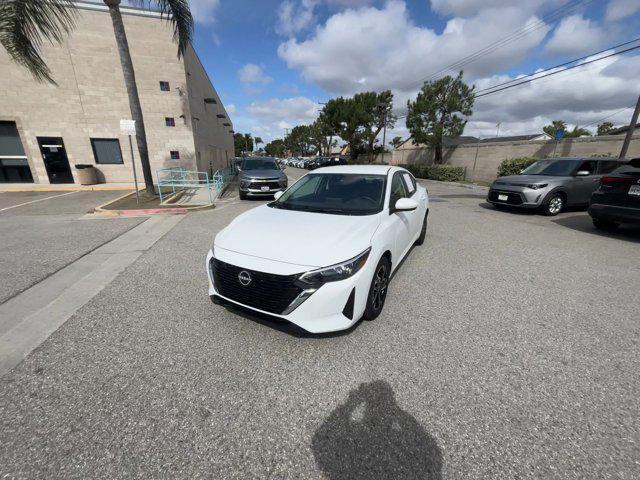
(127, 127)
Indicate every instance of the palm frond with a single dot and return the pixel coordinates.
(26, 24)
(177, 12)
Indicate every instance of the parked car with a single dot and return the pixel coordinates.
(321, 255)
(551, 185)
(259, 177)
(617, 199)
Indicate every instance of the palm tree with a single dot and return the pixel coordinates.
(26, 24)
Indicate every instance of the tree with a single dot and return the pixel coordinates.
(331, 117)
(318, 133)
(375, 110)
(605, 128)
(577, 132)
(396, 142)
(555, 126)
(242, 143)
(26, 24)
(439, 111)
(300, 140)
(275, 148)
(258, 140)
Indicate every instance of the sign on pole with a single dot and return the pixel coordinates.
(559, 134)
(128, 127)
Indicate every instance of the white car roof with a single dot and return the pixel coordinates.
(362, 169)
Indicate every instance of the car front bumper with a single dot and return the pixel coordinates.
(517, 196)
(321, 312)
(252, 192)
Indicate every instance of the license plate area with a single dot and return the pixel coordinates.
(503, 198)
(634, 190)
(264, 188)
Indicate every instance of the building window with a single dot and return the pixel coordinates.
(106, 151)
(175, 155)
(164, 86)
(169, 121)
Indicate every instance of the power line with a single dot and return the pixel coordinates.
(557, 72)
(559, 66)
(516, 35)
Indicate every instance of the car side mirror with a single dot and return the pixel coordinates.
(277, 195)
(405, 205)
(583, 173)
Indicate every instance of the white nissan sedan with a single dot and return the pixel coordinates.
(321, 255)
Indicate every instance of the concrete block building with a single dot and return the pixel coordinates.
(45, 130)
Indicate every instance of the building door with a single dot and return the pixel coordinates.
(55, 159)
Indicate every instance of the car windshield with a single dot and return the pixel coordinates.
(259, 164)
(335, 193)
(552, 167)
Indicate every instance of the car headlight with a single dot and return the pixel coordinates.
(334, 273)
(537, 186)
(244, 183)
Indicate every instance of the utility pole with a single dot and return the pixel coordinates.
(384, 135)
(632, 126)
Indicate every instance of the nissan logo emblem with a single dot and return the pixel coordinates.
(244, 278)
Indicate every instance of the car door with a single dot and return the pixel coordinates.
(404, 222)
(584, 185)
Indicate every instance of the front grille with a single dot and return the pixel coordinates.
(268, 292)
(514, 198)
(259, 185)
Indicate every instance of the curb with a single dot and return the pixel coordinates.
(74, 188)
(101, 209)
(457, 184)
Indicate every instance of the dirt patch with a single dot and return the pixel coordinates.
(147, 201)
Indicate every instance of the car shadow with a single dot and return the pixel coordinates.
(524, 211)
(583, 223)
(280, 325)
(371, 437)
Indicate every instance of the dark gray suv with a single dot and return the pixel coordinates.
(551, 185)
(260, 176)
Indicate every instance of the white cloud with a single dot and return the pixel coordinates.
(579, 96)
(203, 11)
(231, 109)
(269, 118)
(467, 8)
(576, 35)
(293, 17)
(619, 9)
(377, 48)
(252, 73)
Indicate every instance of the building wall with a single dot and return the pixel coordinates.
(487, 157)
(90, 97)
(213, 139)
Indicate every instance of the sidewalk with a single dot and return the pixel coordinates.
(63, 187)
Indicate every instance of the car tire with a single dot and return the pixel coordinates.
(553, 204)
(378, 289)
(423, 232)
(605, 225)
(243, 196)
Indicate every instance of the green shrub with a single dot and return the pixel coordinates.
(443, 173)
(514, 166)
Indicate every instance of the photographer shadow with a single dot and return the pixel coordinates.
(371, 437)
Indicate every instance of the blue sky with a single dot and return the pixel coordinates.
(273, 60)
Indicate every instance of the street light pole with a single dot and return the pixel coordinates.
(632, 126)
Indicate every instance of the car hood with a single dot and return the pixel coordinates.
(525, 179)
(301, 238)
(262, 173)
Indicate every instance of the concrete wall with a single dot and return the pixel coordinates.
(213, 140)
(91, 98)
(487, 157)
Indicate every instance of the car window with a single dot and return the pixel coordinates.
(608, 166)
(398, 189)
(410, 183)
(589, 166)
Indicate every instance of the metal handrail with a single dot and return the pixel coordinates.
(181, 179)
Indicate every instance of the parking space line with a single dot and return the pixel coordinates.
(37, 200)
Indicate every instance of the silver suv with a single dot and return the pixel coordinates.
(260, 176)
(551, 185)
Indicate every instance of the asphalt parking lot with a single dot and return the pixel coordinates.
(45, 231)
(508, 348)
